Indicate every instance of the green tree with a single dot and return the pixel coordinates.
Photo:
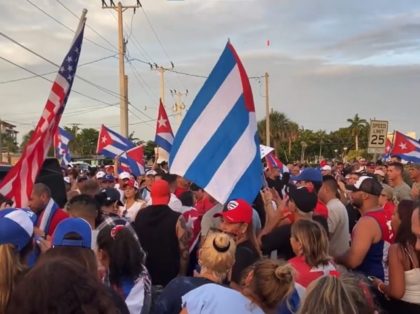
(8, 143)
(25, 139)
(282, 131)
(356, 126)
(149, 149)
(87, 141)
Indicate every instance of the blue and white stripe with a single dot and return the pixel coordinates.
(217, 146)
(164, 140)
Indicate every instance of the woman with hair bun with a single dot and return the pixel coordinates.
(215, 257)
(265, 287)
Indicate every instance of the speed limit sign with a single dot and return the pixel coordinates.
(377, 136)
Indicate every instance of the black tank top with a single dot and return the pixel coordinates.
(155, 226)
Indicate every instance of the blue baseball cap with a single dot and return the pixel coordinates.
(309, 174)
(108, 177)
(73, 232)
(16, 227)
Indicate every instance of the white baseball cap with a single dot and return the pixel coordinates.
(124, 175)
(326, 168)
(100, 174)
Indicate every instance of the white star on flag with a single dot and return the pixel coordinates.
(69, 59)
(103, 139)
(403, 146)
(162, 122)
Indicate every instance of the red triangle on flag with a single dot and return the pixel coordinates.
(104, 140)
(163, 125)
(402, 145)
(137, 154)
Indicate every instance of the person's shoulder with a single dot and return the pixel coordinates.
(366, 223)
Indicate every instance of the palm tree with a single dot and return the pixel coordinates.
(292, 134)
(356, 125)
(282, 130)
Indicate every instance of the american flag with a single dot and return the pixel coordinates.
(18, 183)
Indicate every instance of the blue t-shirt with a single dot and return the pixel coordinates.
(215, 299)
(169, 301)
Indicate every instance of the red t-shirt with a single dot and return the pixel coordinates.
(321, 209)
(305, 274)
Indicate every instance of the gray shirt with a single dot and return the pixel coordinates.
(338, 226)
(402, 192)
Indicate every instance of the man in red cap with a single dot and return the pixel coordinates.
(236, 219)
(164, 236)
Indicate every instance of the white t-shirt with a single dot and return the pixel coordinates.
(174, 203)
(338, 227)
(214, 299)
(131, 212)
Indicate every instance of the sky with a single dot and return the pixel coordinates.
(327, 59)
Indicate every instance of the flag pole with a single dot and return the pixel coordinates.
(81, 23)
(392, 143)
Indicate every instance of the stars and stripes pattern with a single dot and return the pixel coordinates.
(111, 144)
(406, 147)
(19, 181)
(217, 145)
(164, 136)
(61, 145)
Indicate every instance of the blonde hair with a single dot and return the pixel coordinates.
(344, 295)
(217, 254)
(314, 240)
(271, 283)
(10, 268)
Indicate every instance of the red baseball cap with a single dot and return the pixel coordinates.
(160, 192)
(236, 211)
(132, 183)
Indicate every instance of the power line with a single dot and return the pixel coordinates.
(103, 89)
(155, 33)
(88, 26)
(160, 43)
(52, 72)
(51, 81)
(67, 27)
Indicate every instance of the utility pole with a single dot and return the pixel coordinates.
(267, 111)
(179, 105)
(162, 71)
(121, 55)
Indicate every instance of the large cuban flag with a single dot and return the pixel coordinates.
(406, 147)
(217, 145)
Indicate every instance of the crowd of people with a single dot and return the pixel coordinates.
(335, 238)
